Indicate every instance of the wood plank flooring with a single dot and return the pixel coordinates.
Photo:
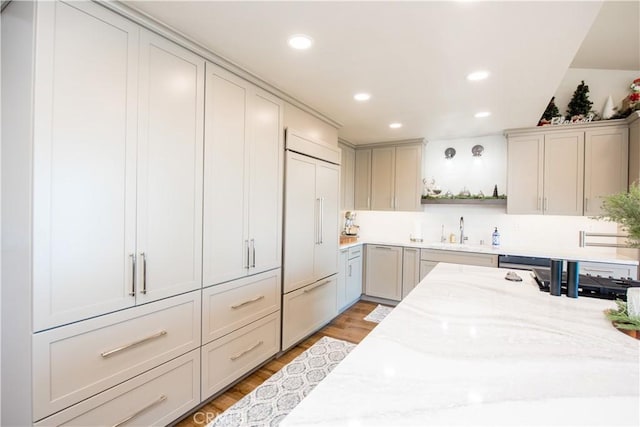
(349, 326)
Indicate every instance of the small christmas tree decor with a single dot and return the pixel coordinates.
(579, 106)
(549, 113)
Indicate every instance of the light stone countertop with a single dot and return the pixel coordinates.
(578, 254)
(467, 347)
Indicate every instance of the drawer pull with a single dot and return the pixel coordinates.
(161, 399)
(242, 353)
(598, 270)
(247, 302)
(133, 344)
(306, 291)
(386, 248)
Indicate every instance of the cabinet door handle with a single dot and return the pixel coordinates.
(368, 202)
(242, 353)
(586, 204)
(321, 220)
(306, 291)
(133, 344)
(386, 248)
(144, 272)
(597, 270)
(160, 399)
(318, 221)
(133, 275)
(410, 250)
(246, 244)
(253, 250)
(350, 270)
(538, 204)
(546, 204)
(236, 306)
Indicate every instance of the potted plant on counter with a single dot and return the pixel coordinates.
(624, 208)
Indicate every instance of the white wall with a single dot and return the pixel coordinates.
(475, 173)
(602, 83)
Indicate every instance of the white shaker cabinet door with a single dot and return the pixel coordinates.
(83, 162)
(383, 171)
(327, 191)
(563, 173)
(171, 108)
(226, 243)
(525, 170)
(265, 200)
(301, 225)
(606, 159)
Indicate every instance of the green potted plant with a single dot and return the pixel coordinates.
(624, 208)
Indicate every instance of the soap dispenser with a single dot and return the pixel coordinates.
(495, 238)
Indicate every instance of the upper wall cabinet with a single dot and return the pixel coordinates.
(347, 177)
(242, 178)
(566, 170)
(116, 191)
(606, 158)
(362, 179)
(389, 178)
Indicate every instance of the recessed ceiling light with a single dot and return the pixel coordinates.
(482, 114)
(300, 41)
(478, 75)
(395, 125)
(362, 96)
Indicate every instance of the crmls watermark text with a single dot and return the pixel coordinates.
(205, 417)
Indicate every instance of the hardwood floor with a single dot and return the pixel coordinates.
(349, 326)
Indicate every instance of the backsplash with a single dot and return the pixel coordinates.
(518, 231)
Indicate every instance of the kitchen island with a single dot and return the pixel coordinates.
(467, 347)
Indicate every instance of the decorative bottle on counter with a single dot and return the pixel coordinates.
(495, 238)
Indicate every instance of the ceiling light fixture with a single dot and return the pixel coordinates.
(477, 150)
(482, 114)
(362, 96)
(449, 153)
(300, 41)
(395, 125)
(478, 75)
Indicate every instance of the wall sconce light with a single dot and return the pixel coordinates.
(449, 153)
(477, 150)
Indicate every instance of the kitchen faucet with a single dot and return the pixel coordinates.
(462, 230)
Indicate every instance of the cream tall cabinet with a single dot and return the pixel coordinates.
(107, 162)
(242, 181)
(116, 206)
(311, 231)
(566, 170)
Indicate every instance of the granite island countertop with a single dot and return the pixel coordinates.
(467, 347)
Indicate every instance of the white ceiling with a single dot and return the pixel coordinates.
(412, 56)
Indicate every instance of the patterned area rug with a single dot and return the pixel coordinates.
(378, 314)
(272, 400)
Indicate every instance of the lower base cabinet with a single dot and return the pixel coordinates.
(426, 267)
(307, 309)
(75, 362)
(230, 357)
(410, 270)
(383, 277)
(349, 276)
(156, 397)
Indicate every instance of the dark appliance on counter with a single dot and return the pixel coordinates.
(589, 286)
(518, 262)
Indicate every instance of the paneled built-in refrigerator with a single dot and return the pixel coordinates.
(311, 234)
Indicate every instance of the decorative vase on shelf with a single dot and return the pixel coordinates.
(607, 110)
